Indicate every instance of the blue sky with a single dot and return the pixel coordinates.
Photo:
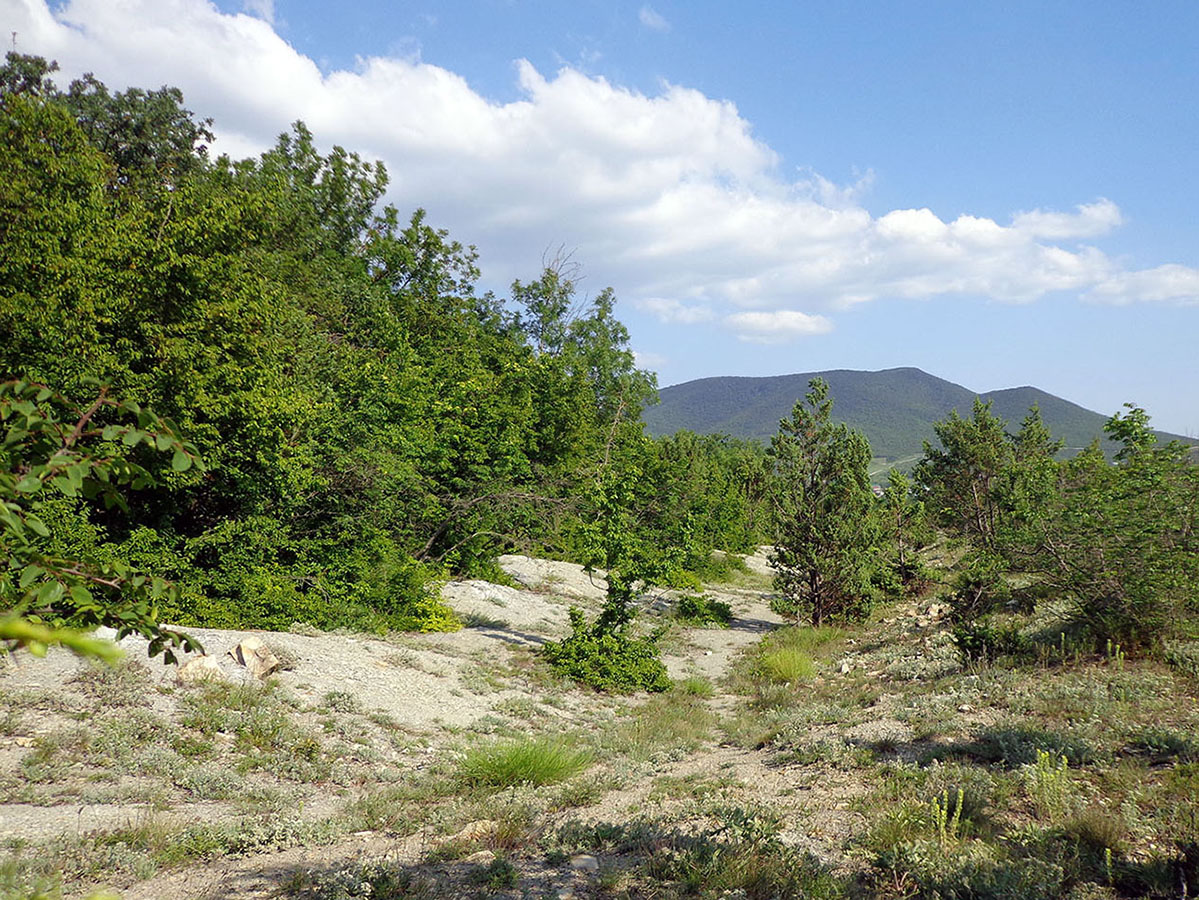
(1000, 194)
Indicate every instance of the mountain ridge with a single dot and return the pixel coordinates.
(894, 408)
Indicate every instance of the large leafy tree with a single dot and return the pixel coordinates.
(825, 527)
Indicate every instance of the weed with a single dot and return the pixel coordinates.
(498, 875)
(672, 726)
(127, 683)
(536, 761)
(374, 880)
(947, 816)
(341, 701)
(1049, 786)
(482, 620)
(695, 686)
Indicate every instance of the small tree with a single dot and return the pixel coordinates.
(607, 654)
(1122, 541)
(825, 530)
(961, 480)
(52, 448)
(904, 525)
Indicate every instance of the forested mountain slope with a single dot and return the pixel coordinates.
(894, 408)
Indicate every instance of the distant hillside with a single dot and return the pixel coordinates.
(894, 408)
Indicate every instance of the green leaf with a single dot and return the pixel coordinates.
(37, 526)
(30, 484)
(181, 462)
(29, 575)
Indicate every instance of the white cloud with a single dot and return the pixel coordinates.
(1091, 220)
(672, 311)
(652, 19)
(663, 196)
(650, 361)
(263, 9)
(776, 327)
(1169, 283)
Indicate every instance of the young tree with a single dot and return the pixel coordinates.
(960, 480)
(903, 516)
(825, 530)
(1121, 542)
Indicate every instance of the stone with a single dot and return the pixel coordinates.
(585, 862)
(473, 831)
(199, 668)
(255, 656)
(845, 667)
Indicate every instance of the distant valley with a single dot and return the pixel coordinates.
(894, 408)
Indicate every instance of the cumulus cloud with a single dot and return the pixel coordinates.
(776, 326)
(669, 197)
(652, 19)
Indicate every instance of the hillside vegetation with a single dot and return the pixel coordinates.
(895, 409)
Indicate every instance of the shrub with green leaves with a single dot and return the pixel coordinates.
(52, 450)
(703, 610)
(608, 659)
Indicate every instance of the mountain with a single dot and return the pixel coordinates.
(894, 408)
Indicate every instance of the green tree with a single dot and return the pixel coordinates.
(825, 530)
(960, 480)
(904, 525)
(1121, 542)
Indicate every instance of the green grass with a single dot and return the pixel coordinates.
(695, 686)
(788, 665)
(537, 761)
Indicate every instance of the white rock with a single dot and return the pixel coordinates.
(585, 862)
(254, 655)
(200, 668)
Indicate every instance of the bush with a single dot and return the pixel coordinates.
(984, 642)
(701, 610)
(608, 660)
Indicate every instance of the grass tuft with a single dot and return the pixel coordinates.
(788, 665)
(536, 761)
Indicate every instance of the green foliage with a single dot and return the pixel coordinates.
(825, 527)
(369, 420)
(51, 450)
(607, 659)
(788, 665)
(702, 610)
(961, 479)
(1120, 542)
(1117, 542)
(536, 761)
(983, 642)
